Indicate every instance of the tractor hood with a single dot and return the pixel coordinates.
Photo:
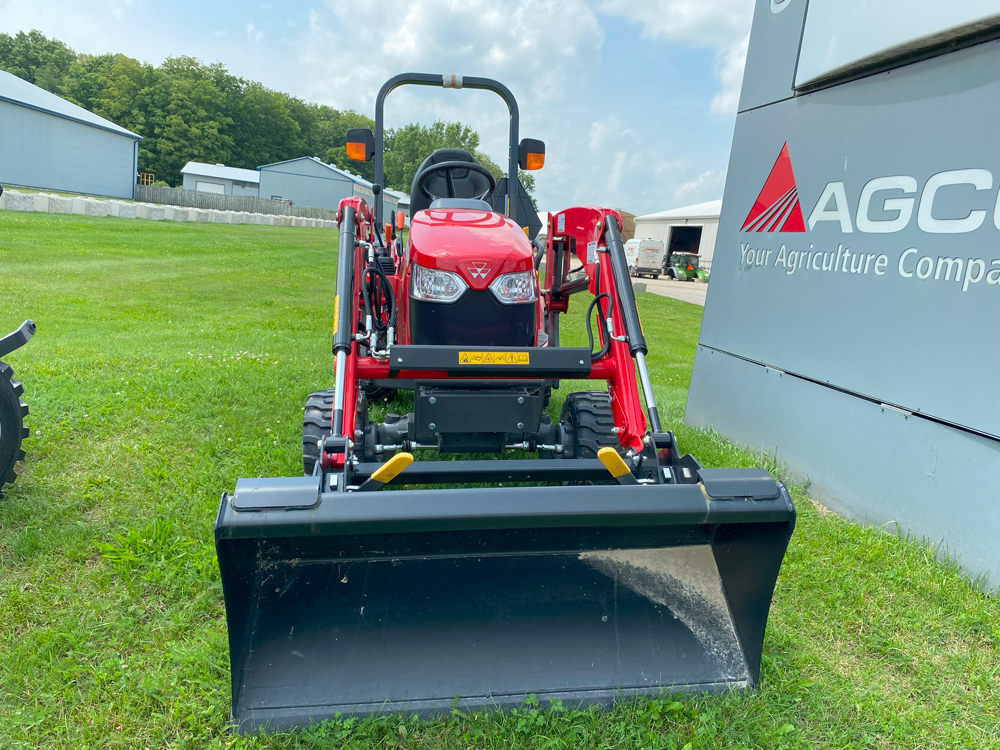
(477, 245)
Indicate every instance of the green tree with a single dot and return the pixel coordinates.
(185, 121)
(38, 60)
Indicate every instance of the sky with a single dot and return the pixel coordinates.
(635, 99)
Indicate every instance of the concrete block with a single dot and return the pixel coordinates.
(182, 214)
(60, 205)
(299, 221)
(79, 206)
(638, 287)
(96, 208)
(41, 203)
(221, 217)
(142, 210)
(15, 201)
(127, 210)
(114, 208)
(157, 213)
(203, 214)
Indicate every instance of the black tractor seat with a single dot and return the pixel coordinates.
(465, 183)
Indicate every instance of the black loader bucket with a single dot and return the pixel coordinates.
(354, 603)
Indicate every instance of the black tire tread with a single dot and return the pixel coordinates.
(316, 419)
(589, 415)
(12, 428)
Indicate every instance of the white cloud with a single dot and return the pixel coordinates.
(254, 34)
(704, 187)
(721, 25)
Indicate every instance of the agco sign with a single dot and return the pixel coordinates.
(777, 206)
(895, 199)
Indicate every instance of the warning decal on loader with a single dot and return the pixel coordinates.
(493, 358)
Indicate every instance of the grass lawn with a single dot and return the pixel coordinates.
(173, 358)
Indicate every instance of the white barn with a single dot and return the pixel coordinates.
(691, 228)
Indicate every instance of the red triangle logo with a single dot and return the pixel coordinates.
(777, 207)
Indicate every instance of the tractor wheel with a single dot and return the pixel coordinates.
(316, 421)
(12, 429)
(587, 418)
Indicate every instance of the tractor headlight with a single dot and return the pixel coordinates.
(432, 285)
(515, 288)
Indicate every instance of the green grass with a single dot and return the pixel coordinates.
(171, 359)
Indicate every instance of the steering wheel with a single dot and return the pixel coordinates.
(447, 167)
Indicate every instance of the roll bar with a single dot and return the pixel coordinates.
(449, 81)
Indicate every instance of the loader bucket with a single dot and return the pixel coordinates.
(352, 603)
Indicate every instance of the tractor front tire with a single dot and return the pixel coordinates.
(589, 424)
(316, 422)
(12, 429)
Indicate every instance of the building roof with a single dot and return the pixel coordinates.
(709, 210)
(338, 170)
(401, 197)
(222, 172)
(18, 91)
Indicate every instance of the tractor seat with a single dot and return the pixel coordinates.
(466, 185)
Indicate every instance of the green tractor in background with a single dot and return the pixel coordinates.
(684, 267)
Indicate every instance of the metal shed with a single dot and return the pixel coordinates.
(218, 178)
(307, 181)
(686, 228)
(48, 143)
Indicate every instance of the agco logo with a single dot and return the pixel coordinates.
(892, 198)
(777, 206)
(478, 270)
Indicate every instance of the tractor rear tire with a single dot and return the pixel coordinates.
(587, 418)
(12, 429)
(316, 422)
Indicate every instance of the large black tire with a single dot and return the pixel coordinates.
(316, 420)
(12, 429)
(587, 418)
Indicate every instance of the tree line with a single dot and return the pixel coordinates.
(188, 111)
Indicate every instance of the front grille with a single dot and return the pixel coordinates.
(477, 319)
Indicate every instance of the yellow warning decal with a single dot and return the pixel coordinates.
(493, 358)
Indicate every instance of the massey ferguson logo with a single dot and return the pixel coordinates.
(777, 207)
(886, 204)
(478, 270)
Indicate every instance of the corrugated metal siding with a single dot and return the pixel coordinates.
(305, 183)
(232, 187)
(44, 151)
(660, 230)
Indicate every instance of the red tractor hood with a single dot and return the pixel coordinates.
(477, 245)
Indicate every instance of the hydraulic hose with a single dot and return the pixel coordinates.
(601, 322)
(382, 289)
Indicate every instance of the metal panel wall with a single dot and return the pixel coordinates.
(44, 151)
(859, 253)
(305, 183)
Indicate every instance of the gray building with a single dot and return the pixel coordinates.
(851, 325)
(218, 178)
(307, 181)
(48, 143)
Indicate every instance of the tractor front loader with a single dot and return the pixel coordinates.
(607, 566)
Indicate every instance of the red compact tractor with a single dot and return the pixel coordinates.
(604, 565)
